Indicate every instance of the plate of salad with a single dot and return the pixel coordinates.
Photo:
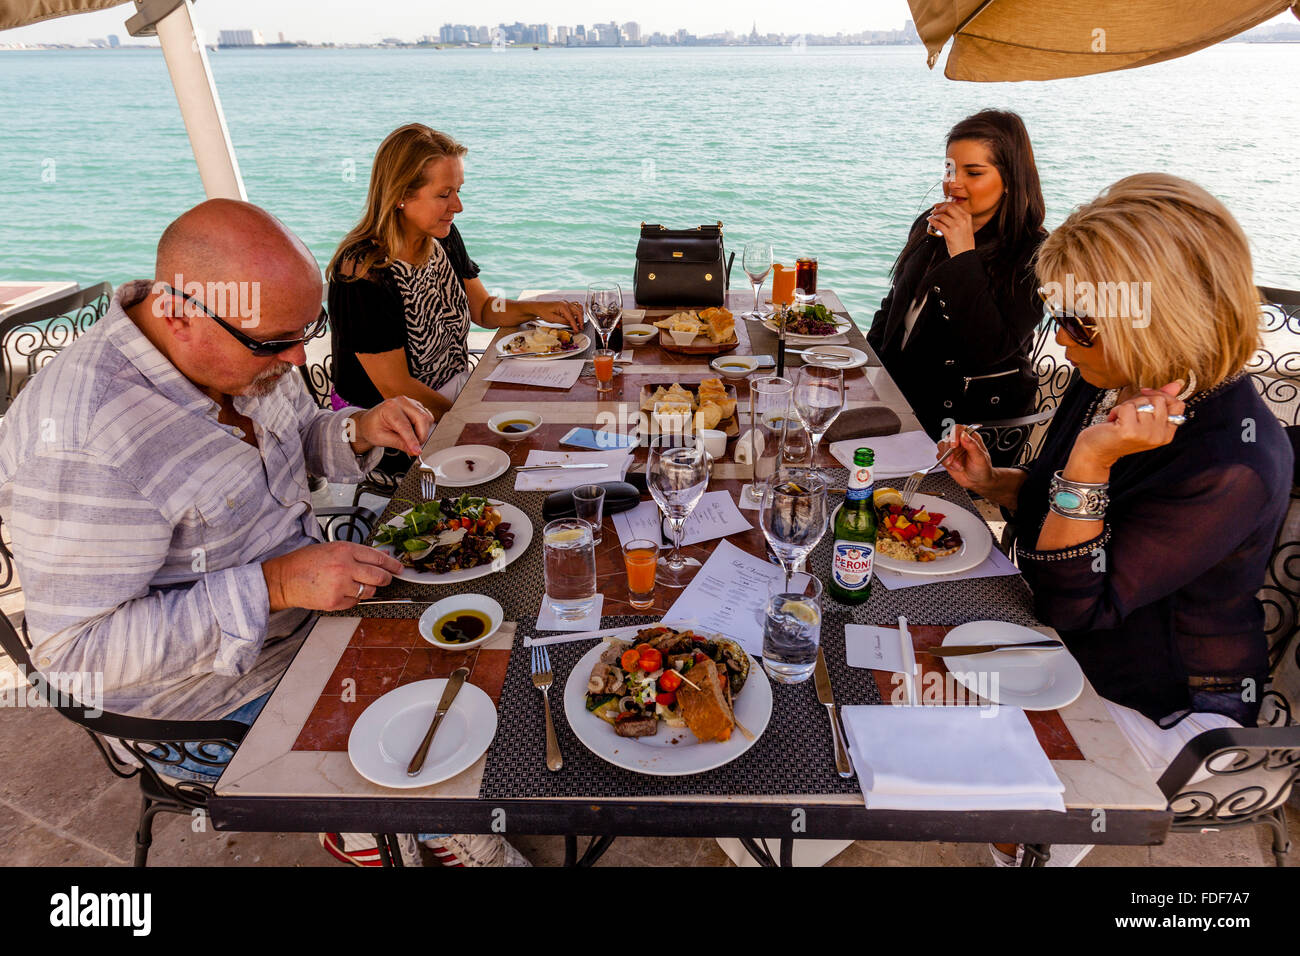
(450, 540)
(812, 325)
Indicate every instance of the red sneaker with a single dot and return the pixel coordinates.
(359, 849)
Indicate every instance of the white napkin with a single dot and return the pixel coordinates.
(547, 621)
(950, 758)
(616, 463)
(743, 453)
(896, 455)
(995, 565)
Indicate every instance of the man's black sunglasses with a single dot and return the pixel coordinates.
(258, 348)
(1079, 328)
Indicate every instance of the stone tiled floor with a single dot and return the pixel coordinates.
(60, 806)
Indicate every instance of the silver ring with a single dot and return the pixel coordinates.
(1177, 419)
(1145, 407)
(361, 589)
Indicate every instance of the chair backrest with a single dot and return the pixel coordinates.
(30, 337)
(1275, 369)
(1018, 440)
(1280, 597)
(1231, 775)
(318, 373)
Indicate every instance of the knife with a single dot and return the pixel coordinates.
(823, 678)
(589, 464)
(448, 695)
(962, 650)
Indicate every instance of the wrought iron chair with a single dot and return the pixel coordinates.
(1017, 440)
(167, 742)
(29, 338)
(1275, 369)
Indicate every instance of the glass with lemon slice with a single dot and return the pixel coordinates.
(792, 628)
(569, 564)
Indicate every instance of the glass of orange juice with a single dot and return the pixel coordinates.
(603, 362)
(783, 278)
(639, 559)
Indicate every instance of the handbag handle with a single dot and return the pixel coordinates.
(730, 260)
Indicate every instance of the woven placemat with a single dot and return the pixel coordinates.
(794, 755)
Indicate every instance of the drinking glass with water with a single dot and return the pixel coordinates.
(792, 628)
(569, 566)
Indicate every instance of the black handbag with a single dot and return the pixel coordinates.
(680, 268)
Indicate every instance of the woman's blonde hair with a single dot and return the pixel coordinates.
(1164, 271)
(400, 168)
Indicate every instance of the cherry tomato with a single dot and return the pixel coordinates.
(630, 660)
(670, 681)
(666, 699)
(651, 660)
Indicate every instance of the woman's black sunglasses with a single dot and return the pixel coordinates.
(1079, 328)
(257, 347)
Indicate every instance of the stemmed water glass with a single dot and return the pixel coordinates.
(819, 399)
(757, 263)
(677, 476)
(792, 513)
(605, 308)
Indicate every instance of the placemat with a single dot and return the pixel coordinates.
(795, 755)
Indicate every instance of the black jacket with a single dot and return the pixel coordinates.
(971, 326)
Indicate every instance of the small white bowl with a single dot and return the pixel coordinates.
(639, 333)
(682, 338)
(517, 415)
(461, 602)
(715, 442)
(734, 367)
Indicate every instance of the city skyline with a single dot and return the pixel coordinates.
(334, 21)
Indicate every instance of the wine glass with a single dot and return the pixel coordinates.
(757, 262)
(605, 308)
(819, 399)
(792, 513)
(677, 476)
(949, 174)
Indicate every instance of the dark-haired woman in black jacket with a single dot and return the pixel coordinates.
(956, 329)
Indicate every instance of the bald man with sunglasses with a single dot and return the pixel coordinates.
(155, 477)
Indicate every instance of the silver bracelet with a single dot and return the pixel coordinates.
(1078, 499)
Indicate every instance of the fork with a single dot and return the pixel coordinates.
(428, 482)
(914, 481)
(542, 680)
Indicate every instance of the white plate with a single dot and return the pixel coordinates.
(856, 357)
(976, 540)
(460, 602)
(388, 732)
(453, 465)
(658, 755)
(581, 341)
(1032, 680)
(520, 527)
(842, 325)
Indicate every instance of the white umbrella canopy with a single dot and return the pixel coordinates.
(18, 13)
(1000, 40)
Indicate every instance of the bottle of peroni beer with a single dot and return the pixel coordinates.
(855, 535)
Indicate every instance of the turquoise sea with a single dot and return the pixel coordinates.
(827, 152)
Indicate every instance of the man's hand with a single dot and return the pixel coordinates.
(401, 423)
(567, 312)
(327, 577)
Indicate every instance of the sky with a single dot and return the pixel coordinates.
(350, 21)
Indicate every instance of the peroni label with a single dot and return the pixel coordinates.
(851, 564)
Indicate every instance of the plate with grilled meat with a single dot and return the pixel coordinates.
(451, 540)
(668, 702)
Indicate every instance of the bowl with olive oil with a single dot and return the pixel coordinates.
(461, 621)
(514, 425)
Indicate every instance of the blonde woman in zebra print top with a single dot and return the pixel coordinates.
(403, 289)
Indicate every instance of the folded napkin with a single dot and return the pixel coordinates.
(896, 455)
(869, 421)
(616, 463)
(950, 758)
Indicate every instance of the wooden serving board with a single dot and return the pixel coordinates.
(729, 426)
(700, 346)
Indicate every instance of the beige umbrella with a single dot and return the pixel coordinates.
(172, 22)
(996, 40)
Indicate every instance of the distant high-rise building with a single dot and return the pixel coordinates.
(113, 41)
(632, 33)
(444, 33)
(562, 35)
(240, 38)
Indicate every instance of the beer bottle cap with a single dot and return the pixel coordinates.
(864, 458)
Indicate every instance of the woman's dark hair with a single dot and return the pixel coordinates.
(1020, 215)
